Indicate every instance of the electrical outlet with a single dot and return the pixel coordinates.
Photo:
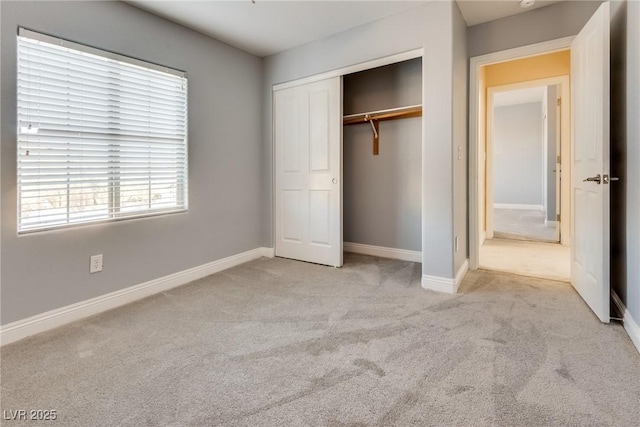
(96, 264)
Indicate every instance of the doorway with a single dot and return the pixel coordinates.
(587, 155)
(523, 127)
(524, 178)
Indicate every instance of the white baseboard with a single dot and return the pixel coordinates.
(52, 319)
(630, 325)
(444, 284)
(518, 206)
(548, 223)
(401, 254)
(267, 252)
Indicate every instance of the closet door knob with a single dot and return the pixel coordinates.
(334, 180)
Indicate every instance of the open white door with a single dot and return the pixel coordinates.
(590, 163)
(308, 163)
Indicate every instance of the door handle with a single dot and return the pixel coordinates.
(607, 179)
(334, 180)
(597, 179)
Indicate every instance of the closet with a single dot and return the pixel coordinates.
(382, 159)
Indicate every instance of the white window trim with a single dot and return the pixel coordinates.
(23, 32)
(113, 215)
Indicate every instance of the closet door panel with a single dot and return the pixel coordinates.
(289, 131)
(319, 132)
(308, 188)
(320, 211)
(291, 215)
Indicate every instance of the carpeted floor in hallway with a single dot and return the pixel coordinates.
(276, 342)
(522, 224)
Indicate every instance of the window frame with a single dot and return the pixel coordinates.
(114, 205)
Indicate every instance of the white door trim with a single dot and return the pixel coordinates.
(474, 71)
(565, 152)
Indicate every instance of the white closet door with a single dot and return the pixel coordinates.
(590, 163)
(308, 163)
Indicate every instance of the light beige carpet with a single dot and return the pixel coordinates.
(276, 342)
(535, 259)
(522, 224)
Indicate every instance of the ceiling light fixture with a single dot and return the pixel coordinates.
(526, 3)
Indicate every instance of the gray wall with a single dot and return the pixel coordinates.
(517, 154)
(547, 23)
(428, 27)
(552, 123)
(460, 137)
(48, 270)
(382, 194)
(625, 154)
(391, 86)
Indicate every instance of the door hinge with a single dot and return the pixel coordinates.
(559, 102)
(558, 159)
(558, 217)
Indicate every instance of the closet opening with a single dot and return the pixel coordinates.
(332, 192)
(382, 161)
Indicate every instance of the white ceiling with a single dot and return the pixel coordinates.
(268, 27)
(520, 96)
(271, 26)
(479, 11)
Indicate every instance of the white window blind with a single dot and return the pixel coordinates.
(100, 136)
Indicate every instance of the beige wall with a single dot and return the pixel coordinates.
(526, 69)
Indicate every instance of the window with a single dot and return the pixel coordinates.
(100, 136)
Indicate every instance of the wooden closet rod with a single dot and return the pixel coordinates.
(374, 117)
(381, 115)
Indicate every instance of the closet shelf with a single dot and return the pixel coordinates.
(373, 117)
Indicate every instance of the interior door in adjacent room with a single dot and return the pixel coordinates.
(308, 164)
(590, 163)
